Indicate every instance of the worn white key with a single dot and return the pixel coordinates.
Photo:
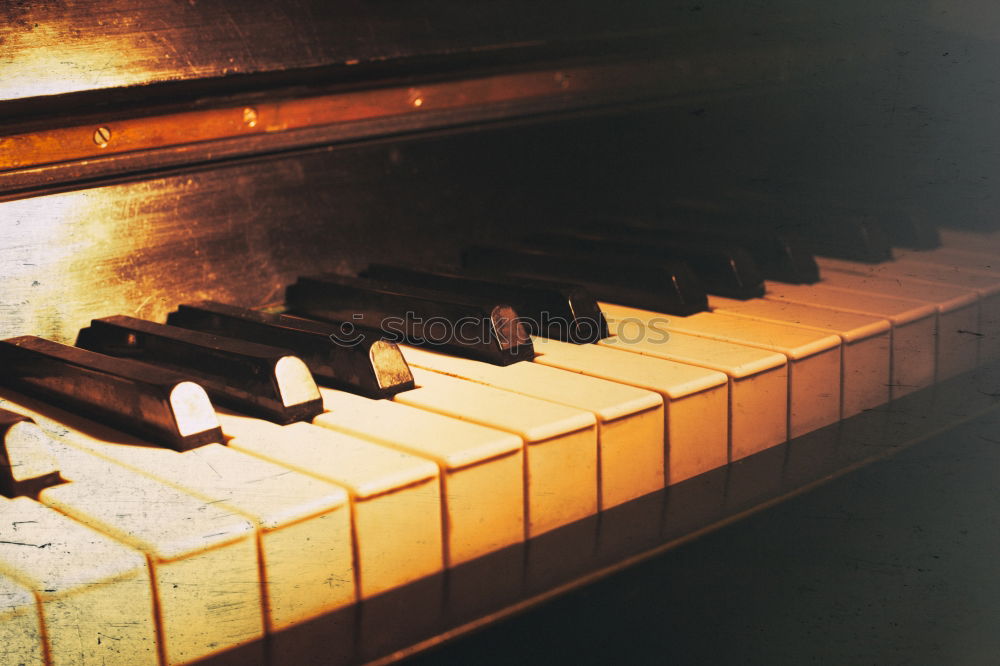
(914, 327)
(758, 379)
(395, 496)
(629, 419)
(21, 640)
(957, 345)
(865, 345)
(203, 557)
(94, 593)
(482, 469)
(814, 359)
(560, 455)
(983, 260)
(304, 531)
(695, 400)
(961, 272)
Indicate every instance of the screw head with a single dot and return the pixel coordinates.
(415, 98)
(102, 136)
(250, 116)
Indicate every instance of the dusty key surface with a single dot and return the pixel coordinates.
(695, 400)
(914, 327)
(482, 469)
(561, 471)
(629, 419)
(395, 496)
(93, 591)
(758, 379)
(21, 639)
(866, 345)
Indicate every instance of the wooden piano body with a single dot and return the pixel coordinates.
(163, 151)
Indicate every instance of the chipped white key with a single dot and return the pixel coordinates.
(758, 379)
(94, 593)
(203, 557)
(482, 469)
(304, 525)
(629, 419)
(20, 628)
(865, 345)
(560, 456)
(957, 345)
(914, 327)
(395, 496)
(814, 359)
(695, 400)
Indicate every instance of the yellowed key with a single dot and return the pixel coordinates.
(395, 496)
(304, 524)
(957, 344)
(814, 360)
(482, 469)
(758, 379)
(21, 640)
(94, 593)
(560, 457)
(629, 419)
(914, 327)
(866, 345)
(203, 557)
(962, 272)
(695, 400)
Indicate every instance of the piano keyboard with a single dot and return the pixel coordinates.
(173, 551)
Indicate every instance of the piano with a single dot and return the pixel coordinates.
(231, 433)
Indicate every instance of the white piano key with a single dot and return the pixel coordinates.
(957, 343)
(914, 327)
(206, 572)
(203, 558)
(961, 273)
(560, 456)
(695, 400)
(984, 260)
(94, 593)
(395, 496)
(482, 469)
(304, 524)
(865, 345)
(758, 379)
(814, 361)
(21, 640)
(629, 419)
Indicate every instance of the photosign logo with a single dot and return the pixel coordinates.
(468, 331)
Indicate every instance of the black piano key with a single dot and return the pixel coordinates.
(724, 270)
(852, 237)
(26, 464)
(482, 329)
(827, 231)
(366, 364)
(668, 287)
(264, 381)
(153, 403)
(905, 229)
(778, 256)
(551, 309)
